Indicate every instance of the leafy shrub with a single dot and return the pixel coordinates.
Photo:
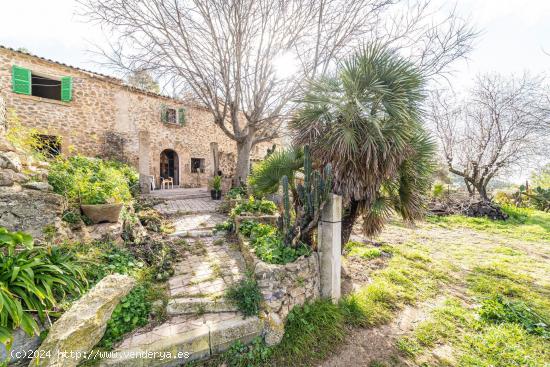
(131, 313)
(112, 260)
(256, 353)
(158, 255)
(438, 190)
(32, 280)
(224, 226)
(246, 296)
(503, 198)
(217, 183)
(151, 219)
(71, 216)
(236, 192)
(540, 199)
(91, 181)
(269, 245)
(498, 310)
(254, 206)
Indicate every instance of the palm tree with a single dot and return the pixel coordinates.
(365, 121)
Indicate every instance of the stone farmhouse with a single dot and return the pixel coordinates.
(79, 111)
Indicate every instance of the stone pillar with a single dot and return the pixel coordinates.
(215, 157)
(143, 164)
(330, 244)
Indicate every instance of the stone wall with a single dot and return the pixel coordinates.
(106, 117)
(282, 287)
(2, 114)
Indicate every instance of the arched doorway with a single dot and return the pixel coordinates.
(169, 165)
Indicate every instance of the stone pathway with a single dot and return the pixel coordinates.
(200, 321)
(185, 201)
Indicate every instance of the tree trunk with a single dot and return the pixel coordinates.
(243, 161)
(469, 187)
(348, 221)
(482, 190)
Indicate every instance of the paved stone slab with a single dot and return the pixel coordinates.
(188, 206)
(199, 336)
(224, 333)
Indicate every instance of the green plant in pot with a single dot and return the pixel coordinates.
(99, 187)
(216, 191)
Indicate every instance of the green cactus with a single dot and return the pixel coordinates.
(286, 205)
(311, 197)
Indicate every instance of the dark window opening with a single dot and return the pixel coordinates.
(45, 87)
(49, 145)
(171, 115)
(197, 165)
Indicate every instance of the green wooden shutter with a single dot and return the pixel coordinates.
(66, 88)
(163, 114)
(21, 80)
(181, 116)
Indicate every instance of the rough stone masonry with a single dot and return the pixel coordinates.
(105, 117)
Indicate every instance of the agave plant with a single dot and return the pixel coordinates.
(32, 281)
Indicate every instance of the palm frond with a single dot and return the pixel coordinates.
(365, 120)
(267, 175)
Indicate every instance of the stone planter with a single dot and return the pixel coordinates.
(102, 213)
(282, 287)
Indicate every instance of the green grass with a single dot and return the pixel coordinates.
(524, 223)
(314, 331)
(359, 249)
(475, 342)
(503, 316)
(468, 272)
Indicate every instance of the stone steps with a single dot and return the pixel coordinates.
(192, 337)
(201, 321)
(197, 306)
(194, 233)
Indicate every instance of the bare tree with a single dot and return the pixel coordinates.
(143, 80)
(224, 52)
(501, 125)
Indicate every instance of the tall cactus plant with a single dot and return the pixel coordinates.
(312, 196)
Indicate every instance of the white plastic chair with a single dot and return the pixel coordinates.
(167, 183)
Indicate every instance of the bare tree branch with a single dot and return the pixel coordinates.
(224, 52)
(502, 124)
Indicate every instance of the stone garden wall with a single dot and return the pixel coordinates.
(282, 287)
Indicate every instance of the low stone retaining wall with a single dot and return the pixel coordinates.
(282, 287)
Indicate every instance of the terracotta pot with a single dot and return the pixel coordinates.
(101, 213)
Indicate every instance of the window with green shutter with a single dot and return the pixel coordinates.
(181, 116)
(25, 81)
(21, 80)
(66, 88)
